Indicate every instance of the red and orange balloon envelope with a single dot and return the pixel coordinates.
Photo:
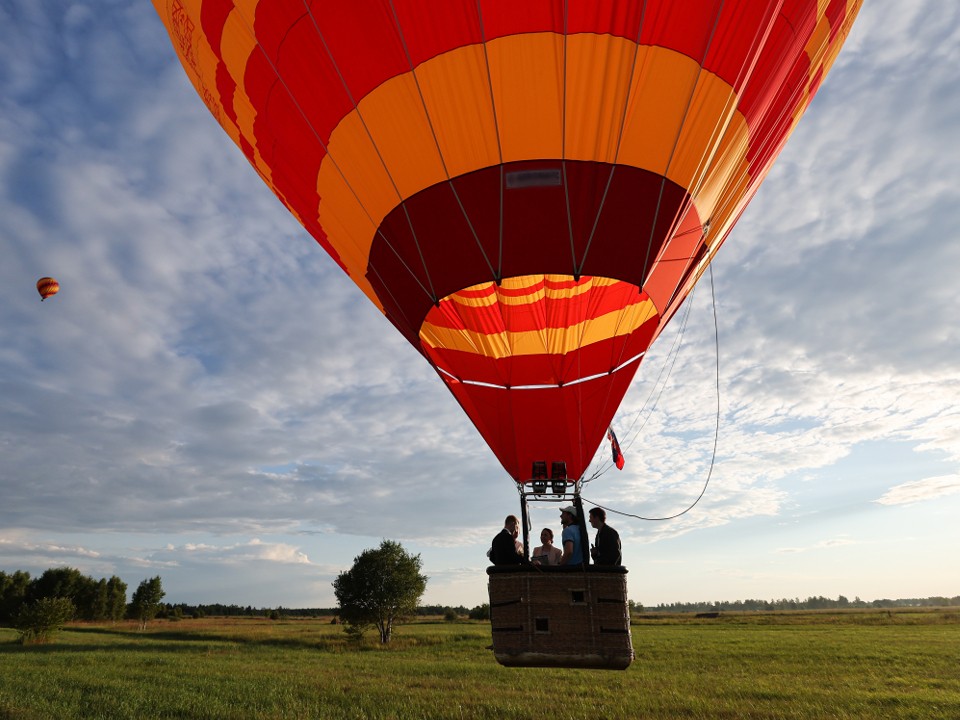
(528, 191)
(47, 286)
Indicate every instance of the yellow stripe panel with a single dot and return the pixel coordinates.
(818, 43)
(457, 96)
(456, 91)
(236, 53)
(822, 53)
(495, 297)
(183, 19)
(600, 68)
(554, 341)
(528, 92)
(657, 106)
(395, 116)
(201, 67)
(712, 146)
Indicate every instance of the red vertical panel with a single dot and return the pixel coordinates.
(509, 17)
(362, 38)
(740, 30)
(213, 15)
(446, 25)
(308, 74)
(686, 27)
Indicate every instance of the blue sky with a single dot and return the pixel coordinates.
(211, 400)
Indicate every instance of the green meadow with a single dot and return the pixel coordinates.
(866, 664)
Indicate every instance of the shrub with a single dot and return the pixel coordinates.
(40, 621)
(480, 612)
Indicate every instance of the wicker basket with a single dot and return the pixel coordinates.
(560, 617)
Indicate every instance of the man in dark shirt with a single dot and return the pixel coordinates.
(503, 550)
(606, 550)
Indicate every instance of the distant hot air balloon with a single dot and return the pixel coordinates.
(47, 286)
(527, 190)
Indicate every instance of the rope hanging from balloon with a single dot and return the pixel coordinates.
(716, 433)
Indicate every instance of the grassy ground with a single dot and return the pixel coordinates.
(865, 665)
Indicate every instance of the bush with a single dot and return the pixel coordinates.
(40, 621)
(480, 612)
(450, 615)
(355, 632)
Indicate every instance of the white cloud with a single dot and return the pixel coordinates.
(57, 554)
(828, 544)
(921, 490)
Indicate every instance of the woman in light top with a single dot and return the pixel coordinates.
(546, 554)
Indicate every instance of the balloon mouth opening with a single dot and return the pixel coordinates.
(538, 332)
(451, 378)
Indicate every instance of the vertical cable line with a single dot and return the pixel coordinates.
(579, 267)
(716, 433)
(720, 129)
(668, 364)
(615, 361)
(578, 392)
(676, 142)
(320, 141)
(402, 202)
(427, 291)
(389, 292)
(616, 151)
(744, 76)
(725, 204)
(726, 116)
(436, 142)
(496, 126)
(563, 142)
(303, 115)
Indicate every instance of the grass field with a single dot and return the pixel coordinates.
(870, 665)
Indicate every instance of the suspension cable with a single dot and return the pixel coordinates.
(716, 433)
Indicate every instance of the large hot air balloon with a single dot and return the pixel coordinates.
(527, 190)
(47, 286)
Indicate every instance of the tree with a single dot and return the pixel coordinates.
(383, 585)
(116, 598)
(145, 603)
(40, 620)
(64, 582)
(13, 593)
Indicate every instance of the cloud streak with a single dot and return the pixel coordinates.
(921, 490)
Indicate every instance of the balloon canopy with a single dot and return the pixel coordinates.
(527, 191)
(47, 286)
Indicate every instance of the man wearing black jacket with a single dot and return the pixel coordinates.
(503, 550)
(606, 550)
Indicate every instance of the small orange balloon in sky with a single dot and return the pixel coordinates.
(47, 286)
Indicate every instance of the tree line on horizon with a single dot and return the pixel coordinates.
(818, 602)
(106, 600)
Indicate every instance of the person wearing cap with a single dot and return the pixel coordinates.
(606, 549)
(572, 545)
(505, 550)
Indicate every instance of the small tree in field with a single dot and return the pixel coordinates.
(145, 603)
(383, 585)
(40, 621)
